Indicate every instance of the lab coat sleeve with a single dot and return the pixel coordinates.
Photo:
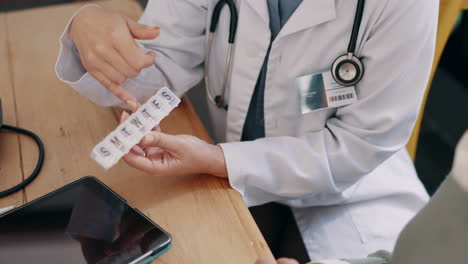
(179, 54)
(397, 54)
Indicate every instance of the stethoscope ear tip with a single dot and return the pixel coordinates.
(220, 102)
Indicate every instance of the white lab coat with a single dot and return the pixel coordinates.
(345, 172)
(438, 233)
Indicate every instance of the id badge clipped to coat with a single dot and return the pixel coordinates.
(317, 91)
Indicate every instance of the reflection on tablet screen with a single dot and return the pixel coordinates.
(83, 223)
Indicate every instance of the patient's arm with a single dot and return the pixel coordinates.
(439, 234)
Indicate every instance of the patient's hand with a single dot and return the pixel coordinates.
(105, 41)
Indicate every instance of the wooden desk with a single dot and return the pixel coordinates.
(208, 220)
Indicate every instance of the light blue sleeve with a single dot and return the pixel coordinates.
(179, 59)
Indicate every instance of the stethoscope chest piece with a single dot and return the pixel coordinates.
(347, 70)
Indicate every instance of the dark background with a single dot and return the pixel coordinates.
(446, 114)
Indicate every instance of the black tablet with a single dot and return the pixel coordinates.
(83, 222)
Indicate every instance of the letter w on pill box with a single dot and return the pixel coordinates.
(118, 143)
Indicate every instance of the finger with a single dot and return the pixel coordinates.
(157, 157)
(138, 151)
(156, 128)
(101, 78)
(114, 58)
(287, 261)
(135, 55)
(153, 151)
(115, 89)
(121, 93)
(111, 73)
(264, 260)
(134, 105)
(147, 149)
(164, 141)
(140, 31)
(139, 162)
(111, 57)
(124, 116)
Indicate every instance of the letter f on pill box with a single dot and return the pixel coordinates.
(118, 143)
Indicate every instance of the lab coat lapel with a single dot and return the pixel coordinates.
(261, 8)
(252, 41)
(308, 14)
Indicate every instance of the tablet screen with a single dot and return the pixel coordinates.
(83, 222)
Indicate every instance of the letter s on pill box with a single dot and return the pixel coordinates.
(118, 143)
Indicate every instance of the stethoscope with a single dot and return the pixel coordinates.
(347, 69)
(40, 160)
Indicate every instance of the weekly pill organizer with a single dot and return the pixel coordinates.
(118, 143)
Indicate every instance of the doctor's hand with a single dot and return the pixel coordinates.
(106, 44)
(166, 155)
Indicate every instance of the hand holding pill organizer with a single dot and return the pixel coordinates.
(118, 143)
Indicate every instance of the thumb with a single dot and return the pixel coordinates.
(287, 261)
(140, 31)
(161, 140)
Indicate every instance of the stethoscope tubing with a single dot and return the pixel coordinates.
(39, 163)
(219, 100)
(356, 27)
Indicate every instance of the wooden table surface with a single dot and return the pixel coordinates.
(208, 220)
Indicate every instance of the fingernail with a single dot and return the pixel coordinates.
(132, 104)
